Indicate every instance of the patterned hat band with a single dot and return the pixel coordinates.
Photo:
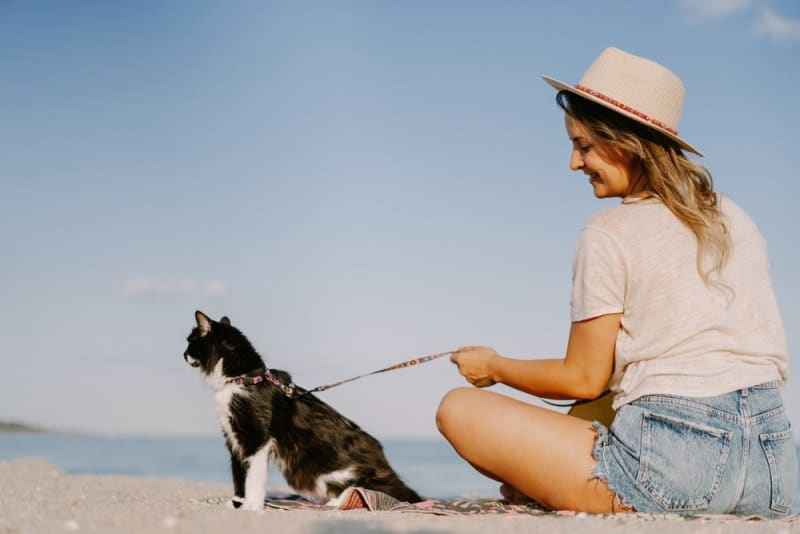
(627, 108)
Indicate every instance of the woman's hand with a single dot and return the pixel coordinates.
(474, 364)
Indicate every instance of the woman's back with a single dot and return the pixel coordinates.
(679, 334)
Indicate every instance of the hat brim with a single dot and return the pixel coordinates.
(561, 86)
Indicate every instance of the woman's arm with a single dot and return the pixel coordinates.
(582, 374)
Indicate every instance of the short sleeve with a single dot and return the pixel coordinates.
(598, 275)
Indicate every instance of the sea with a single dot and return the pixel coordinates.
(430, 466)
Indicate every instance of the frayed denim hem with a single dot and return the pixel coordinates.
(599, 472)
(600, 441)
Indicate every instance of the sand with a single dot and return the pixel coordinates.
(37, 497)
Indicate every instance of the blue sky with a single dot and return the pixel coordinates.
(353, 183)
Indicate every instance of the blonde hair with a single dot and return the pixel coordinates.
(686, 188)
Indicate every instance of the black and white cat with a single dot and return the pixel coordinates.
(319, 451)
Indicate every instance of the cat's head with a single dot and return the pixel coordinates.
(219, 349)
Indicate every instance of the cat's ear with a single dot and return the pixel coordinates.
(225, 321)
(203, 322)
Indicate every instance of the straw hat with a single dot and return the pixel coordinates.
(636, 87)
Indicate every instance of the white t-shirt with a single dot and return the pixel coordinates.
(678, 335)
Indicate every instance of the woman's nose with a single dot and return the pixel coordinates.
(575, 160)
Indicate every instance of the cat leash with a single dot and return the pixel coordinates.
(294, 391)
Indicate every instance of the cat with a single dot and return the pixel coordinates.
(319, 451)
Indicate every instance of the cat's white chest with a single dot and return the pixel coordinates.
(223, 397)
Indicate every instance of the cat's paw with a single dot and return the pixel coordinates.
(252, 506)
(335, 502)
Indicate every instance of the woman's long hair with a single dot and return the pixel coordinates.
(685, 187)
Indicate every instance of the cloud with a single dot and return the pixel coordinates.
(713, 9)
(777, 27)
(768, 23)
(147, 286)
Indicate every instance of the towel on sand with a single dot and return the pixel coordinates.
(365, 499)
(356, 498)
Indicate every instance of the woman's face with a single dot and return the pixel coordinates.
(607, 178)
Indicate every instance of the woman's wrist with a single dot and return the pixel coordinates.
(494, 366)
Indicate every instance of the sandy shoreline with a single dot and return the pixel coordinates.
(37, 497)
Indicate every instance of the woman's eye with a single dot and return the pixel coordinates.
(584, 149)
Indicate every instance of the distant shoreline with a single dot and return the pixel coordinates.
(13, 427)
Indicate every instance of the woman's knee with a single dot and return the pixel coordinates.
(452, 408)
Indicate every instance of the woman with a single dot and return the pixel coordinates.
(672, 308)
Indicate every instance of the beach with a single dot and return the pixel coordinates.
(35, 496)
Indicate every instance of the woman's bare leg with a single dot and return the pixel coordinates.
(541, 453)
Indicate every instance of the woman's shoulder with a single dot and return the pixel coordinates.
(738, 220)
(731, 208)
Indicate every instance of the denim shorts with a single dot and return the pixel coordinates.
(730, 454)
